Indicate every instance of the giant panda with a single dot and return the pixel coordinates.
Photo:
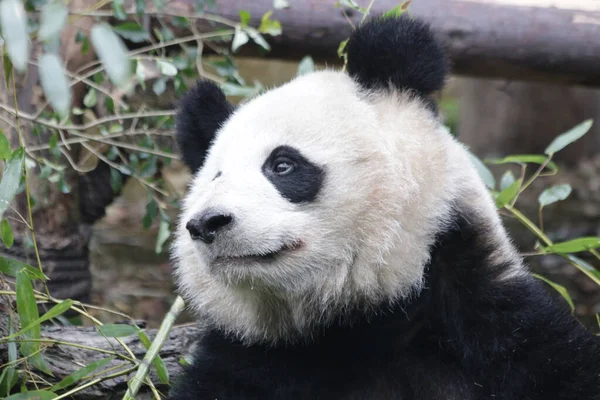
(337, 243)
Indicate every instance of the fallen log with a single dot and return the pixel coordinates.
(540, 40)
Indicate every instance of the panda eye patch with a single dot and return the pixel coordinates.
(295, 177)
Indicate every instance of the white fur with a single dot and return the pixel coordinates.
(392, 173)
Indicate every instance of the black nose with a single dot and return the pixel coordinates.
(206, 226)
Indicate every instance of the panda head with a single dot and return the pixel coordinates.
(322, 196)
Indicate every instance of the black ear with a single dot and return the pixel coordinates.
(202, 111)
(399, 51)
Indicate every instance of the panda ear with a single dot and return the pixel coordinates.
(399, 51)
(202, 111)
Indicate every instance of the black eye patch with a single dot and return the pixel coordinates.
(294, 176)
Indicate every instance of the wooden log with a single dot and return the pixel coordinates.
(540, 40)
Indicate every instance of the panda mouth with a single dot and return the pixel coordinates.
(262, 257)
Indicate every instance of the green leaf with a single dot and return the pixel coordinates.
(397, 11)
(55, 84)
(4, 147)
(508, 194)
(342, 48)
(560, 289)
(244, 17)
(268, 25)
(54, 312)
(91, 99)
(524, 159)
(132, 32)
(52, 20)
(484, 173)
(7, 234)
(33, 395)
(507, 179)
(81, 374)
(574, 246)
(163, 235)
(9, 376)
(278, 4)
(258, 38)
(118, 330)
(116, 181)
(231, 89)
(28, 312)
(166, 68)
(159, 86)
(119, 9)
(554, 194)
(306, 65)
(240, 38)
(9, 185)
(13, 21)
(11, 267)
(112, 52)
(350, 4)
(157, 362)
(565, 139)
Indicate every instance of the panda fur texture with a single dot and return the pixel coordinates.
(338, 244)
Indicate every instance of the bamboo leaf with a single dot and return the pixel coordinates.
(484, 173)
(118, 330)
(112, 52)
(240, 38)
(55, 311)
(163, 235)
(132, 32)
(507, 179)
(28, 312)
(554, 194)
(9, 185)
(55, 84)
(560, 289)
(13, 20)
(7, 234)
(33, 395)
(81, 374)
(158, 363)
(508, 194)
(52, 20)
(4, 147)
(574, 246)
(11, 267)
(306, 65)
(565, 139)
(524, 159)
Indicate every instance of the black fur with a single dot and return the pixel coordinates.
(202, 111)
(467, 336)
(398, 51)
(303, 183)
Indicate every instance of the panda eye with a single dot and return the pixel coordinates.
(283, 167)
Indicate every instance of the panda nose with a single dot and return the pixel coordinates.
(206, 226)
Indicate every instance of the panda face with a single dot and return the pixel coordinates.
(312, 196)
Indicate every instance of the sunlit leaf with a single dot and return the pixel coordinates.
(90, 99)
(8, 66)
(574, 246)
(350, 4)
(524, 159)
(507, 179)
(7, 234)
(560, 289)
(118, 330)
(554, 194)
(166, 68)
(13, 20)
(268, 25)
(55, 84)
(52, 20)
(565, 139)
(244, 17)
(240, 38)
(484, 173)
(397, 11)
(112, 52)
(81, 374)
(508, 194)
(159, 86)
(278, 4)
(163, 235)
(306, 65)
(342, 48)
(4, 147)
(119, 9)
(9, 185)
(258, 38)
(132, 32)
